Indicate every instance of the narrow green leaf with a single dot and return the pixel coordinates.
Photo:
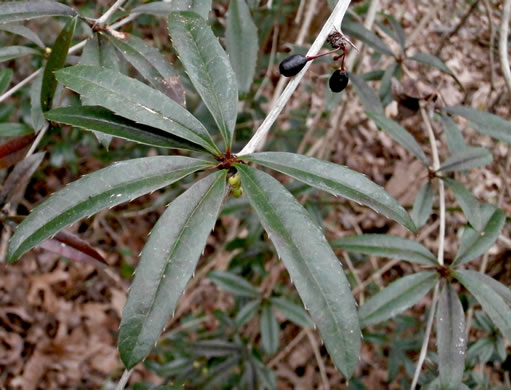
(242, 43)
(484, 122)
(24, 32)
(385, 92)
(167, 262)
(104, 121)
(335, 179)
(5, 79)
(311, 263)
(163, 8)
(247, 312)
(136, 101)
(56, 61)
(14, 11)
(108, 187)
(501, 289)
(292, 312)
(36, 111)
(423, 205)
(399, 134)
(368, 98)
(431, 60)
(491, 302)
(14, 130)
(208, 67)
(471, 157)
(468, 203)
(270, 331)
(451, 338)
(98, 51)
(153, 67)
(474, 243)
(8, 53)
(398, 29)
(358, 31)
(214, 348)
(385, 245)
(454, 137)
(234, 284)
(396, 298)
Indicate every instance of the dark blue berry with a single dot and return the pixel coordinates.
(291, 66)
(338, 81)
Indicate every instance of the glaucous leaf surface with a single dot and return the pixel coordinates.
(14, 11)
(106, 188)
(361, 33)
(500, 288)
(335, 179)
(101, 120)
(423, 205)
(293, 312)
(136, 101)
(151, 64)
(431, 60)
(311, 263)
(368, 98)
(471, 157)
(22, 31)
(492, 303)
(484, 122)
(451, 338)
(247, 312)
(8, 53)
(396, 298)
(234, 284)
(468, 203)
(208, 67)
(399, 134)
(385, 245)
(36, 111)
(167, 262)
(453, 136)
(56, 60)
(270, 330)
(242, 43)
(475, 243)
(163, 8)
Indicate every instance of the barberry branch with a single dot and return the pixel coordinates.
(334, 21)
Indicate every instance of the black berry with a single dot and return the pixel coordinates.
(291, 66)
(339, 80)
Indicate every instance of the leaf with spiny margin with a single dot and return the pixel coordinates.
(106, 188)
(471, 157)
(24, 32)
(99, 119)
(8, 53)
(242, 43)
(399, 134)
(484, 122)
(293, 312)
(396, 298)
(163, 8)
(335, 179)
(468, 203)
(385, 245)
(492, 303)
(5, 79)
(270, 331)
(56, 61)
(453, 136)
(153, 67)
(368, 98)
(208, 67)
(136, 101)
(167, 262)
(234, 284)
(476, 243)
(423, 205)
(311, 263)
(358, 31)
(14, 11)
(500, 288)
(451, 338)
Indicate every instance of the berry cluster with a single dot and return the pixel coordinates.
(291, 66)
(235, 183)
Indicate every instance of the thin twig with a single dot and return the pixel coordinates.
(38, 139)
(104, 18)
(20, 85)
(334, 21)
(504, 31)
(427, 335)
(487, 6)
(289, 347)
(124, 379)
(319, 360)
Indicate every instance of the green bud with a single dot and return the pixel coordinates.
(237, 192)
(234, 181)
